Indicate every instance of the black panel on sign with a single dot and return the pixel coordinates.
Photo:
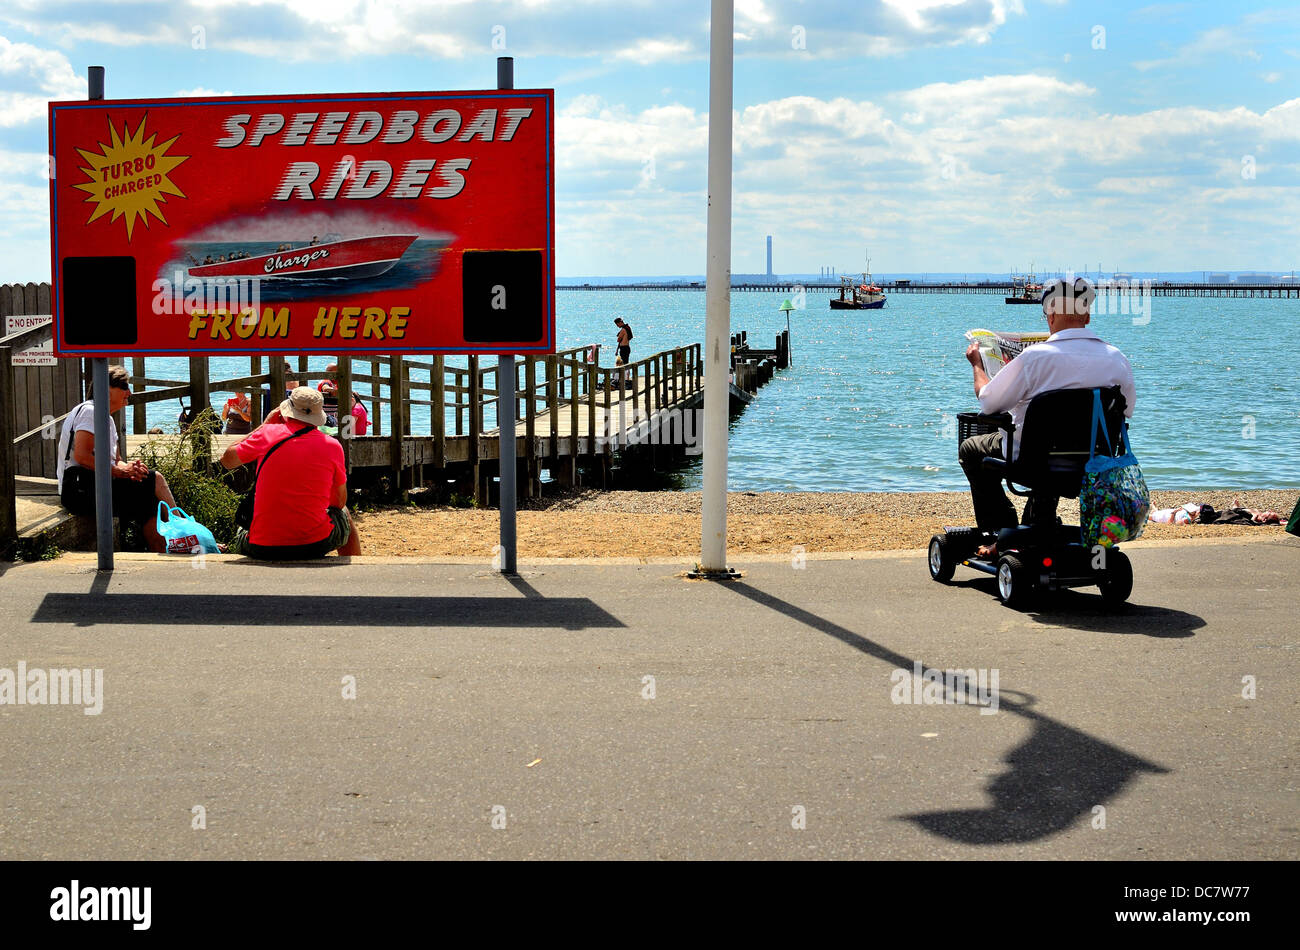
(99, 301)
(503, 296)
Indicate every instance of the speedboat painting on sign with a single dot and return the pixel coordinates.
(333, 258)
(344, 254)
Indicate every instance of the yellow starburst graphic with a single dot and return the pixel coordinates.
(128, 176)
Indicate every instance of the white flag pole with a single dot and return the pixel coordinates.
(717, 325)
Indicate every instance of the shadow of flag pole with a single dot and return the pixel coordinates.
(717, 323)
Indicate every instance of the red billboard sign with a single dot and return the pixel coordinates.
(383, 223)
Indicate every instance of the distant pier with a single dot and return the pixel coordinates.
(1156, 288)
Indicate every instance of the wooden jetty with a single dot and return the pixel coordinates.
(577, 422)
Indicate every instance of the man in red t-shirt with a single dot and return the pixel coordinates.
(300, 508)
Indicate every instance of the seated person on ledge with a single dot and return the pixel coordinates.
(137, 488)
(290, 384)
(301, 502)
(1073, 357)
(329, 392)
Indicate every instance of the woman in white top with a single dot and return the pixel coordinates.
(137, 489)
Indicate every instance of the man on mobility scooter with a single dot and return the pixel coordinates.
(1041, 403)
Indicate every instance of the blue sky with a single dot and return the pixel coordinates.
(945, 135)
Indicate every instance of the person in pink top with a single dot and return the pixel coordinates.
(361, 421)
(300, 505)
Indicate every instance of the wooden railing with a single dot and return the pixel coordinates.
(463, 400)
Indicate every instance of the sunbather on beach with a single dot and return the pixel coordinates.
(1073, 357)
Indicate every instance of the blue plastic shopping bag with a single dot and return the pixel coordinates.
(183, 534)
(1114, 501)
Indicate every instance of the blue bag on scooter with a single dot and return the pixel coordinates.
(183, 534)
(1114, 501)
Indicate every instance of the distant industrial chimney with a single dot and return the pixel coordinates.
(769, 255)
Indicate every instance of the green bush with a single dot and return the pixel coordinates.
(198, 483)
(39, 548)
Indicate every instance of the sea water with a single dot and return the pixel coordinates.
(869, 402)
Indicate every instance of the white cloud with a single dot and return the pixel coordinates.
(26, 164)
(1040, 172)
(645, 51)
(25, 210)
(753, 10)
(30, 77)
(201, 92)
(929, 16)
(630, 30)
(975, 100)
(1136, 186)
(1237, 41)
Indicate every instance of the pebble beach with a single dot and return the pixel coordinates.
(593, 523)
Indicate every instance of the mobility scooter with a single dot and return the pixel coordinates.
(1057, 439)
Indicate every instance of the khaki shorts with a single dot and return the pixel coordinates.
(341, 530)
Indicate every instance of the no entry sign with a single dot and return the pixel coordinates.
(411, 222)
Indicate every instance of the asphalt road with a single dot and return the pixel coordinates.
(479, 698)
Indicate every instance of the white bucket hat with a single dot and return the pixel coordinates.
(306, 405)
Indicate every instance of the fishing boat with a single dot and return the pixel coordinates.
(1026, 289)
(865, 295)
(333, 258)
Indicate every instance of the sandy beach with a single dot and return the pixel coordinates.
(663, 524)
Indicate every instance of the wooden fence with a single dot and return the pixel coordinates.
(40, 395)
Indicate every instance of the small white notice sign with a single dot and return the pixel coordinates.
(42, 354)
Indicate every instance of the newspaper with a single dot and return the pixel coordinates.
(998, 348)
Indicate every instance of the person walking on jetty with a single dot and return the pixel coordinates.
(624, 340)
(1073, 357)
(300, 502)
(137, 488)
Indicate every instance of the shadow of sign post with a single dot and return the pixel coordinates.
(279, 610)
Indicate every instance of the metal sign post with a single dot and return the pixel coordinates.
(506, 402)
(99, 392)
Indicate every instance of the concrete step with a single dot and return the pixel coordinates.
(41, 517)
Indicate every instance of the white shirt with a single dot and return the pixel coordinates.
(1070, 359)
(82, 419)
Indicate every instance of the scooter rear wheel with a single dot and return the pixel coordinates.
(1015, 586)
(1116, 580)
(942, 564)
